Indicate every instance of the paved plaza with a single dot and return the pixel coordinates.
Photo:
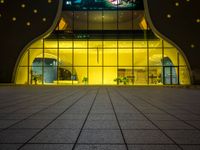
(99, 118)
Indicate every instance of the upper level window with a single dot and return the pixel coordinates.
(103, 4)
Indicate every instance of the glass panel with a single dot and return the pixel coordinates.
(36, 57)
(125, 57)
(184, 77)
(110, 44)
(140, 76)
(36, 75)
(171, 54)
(139, 23)
(24, 60)
(140, 57)
(95, 20)
(95, 75)
(110, 74)
(170, 75)
(80, 20)
(22, 75)
(155, 75)
(80, 57)
(140, 44)
(50, 44)
(65, 44)
(37, 44)
(50, 57)
(155, 57)
(182, 60)
(110, 20)
(174, 72)
(50, 75)
(125, 44)
(125, 20)
(166, 44)
(95, 57)
(95, 44)
(155, 44)
(80, 44)
(65, 57)
(65, 75)
(110, 57)
(125, 75)
(82, 77)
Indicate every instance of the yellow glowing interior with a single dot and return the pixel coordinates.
(62, 25)
(82, 62)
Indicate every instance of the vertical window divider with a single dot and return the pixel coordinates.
(147, 60)
(117, 42)
(73, 68)
(133, 78)
(178, 71)
(43, 47)
(102, 46)
(58, 52)
(87, 47)
(163, 67)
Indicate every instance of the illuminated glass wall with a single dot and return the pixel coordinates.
(102, 62)
(102, 43)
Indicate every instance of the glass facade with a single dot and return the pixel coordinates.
(103, 46)
(102, 62)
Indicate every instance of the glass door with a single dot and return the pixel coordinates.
(170, 75)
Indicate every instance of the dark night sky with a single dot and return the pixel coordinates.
(21, 21)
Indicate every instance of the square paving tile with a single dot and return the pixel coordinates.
(195, 123)
(44, 116)
(101, 124)
(145, 137)
(16, 135)
(17, 116)
(56, 136)
(160, 117)
(100, 147)
(47, 147)
(100, 136)
(68, 124)
(32, 124)
(9, 146)
(130, 116)
(7, 123)
(189, 117)
(69, 116)
(101, 117)
(153, 147)
(190, 147)
(136, 124)
(184, 136)
(172, 125)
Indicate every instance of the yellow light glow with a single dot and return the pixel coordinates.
(101, 62)
(62, 24)
(143, 24)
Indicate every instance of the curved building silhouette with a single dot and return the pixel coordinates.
(98, 42)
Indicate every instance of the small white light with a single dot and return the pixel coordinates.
(14, 19)
(44, 19)
(28, 23)
(169, 15)
(23, 5)
(35, 11)
(68, 2)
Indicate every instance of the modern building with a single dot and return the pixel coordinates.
(103, 42)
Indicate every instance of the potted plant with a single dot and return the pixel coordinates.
(118, 80)
(125, 80)
(85, 80)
